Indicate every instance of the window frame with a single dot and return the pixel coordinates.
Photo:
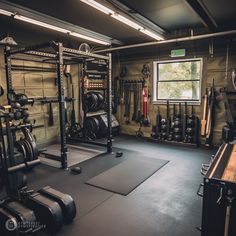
(156, 100)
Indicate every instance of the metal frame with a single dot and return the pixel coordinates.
(108, 111)
(54, 52)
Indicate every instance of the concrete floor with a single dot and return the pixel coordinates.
(165, 204)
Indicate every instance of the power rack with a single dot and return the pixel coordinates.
(58, 56)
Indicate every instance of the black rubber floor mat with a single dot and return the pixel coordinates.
(126, 176)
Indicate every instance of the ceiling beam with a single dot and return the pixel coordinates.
(203, 13)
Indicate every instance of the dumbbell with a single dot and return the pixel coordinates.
(163, 135)
(15, 105)
(177, 122)
(190, 131)
(163, 121)
(178, 137)
(17, 115)
(170, 136)
(163, 125)
(26, 120)
(190, 121)
(25, 113)
(177, 130)
(163, 128)
(189, 138)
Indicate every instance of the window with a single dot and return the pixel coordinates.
(177, 80)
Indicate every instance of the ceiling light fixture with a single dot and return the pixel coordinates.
(52, 27)
(98, 6)
(39, 23)
(6, 13)
(126, 21)
(89, 38)
(121, 18)
(151, 34)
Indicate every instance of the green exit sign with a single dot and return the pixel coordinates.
(178, 53)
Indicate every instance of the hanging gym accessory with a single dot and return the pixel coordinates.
(204, 115)
(145, 116)
(210, 115)
(50, 115)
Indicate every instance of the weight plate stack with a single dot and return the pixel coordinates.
(91, 125)
(93, 101)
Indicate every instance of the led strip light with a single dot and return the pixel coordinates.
(122, 19)
(52, 27)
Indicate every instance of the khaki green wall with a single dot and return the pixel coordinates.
(42, 84)
(38, 84)
(213, 67)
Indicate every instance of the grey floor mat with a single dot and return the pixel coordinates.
(76, 154)
(126, 176)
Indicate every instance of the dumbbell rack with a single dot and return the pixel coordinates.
(57, 55)
(177, 131)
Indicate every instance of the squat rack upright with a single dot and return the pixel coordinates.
(55, 53)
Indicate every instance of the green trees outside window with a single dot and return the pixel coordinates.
(178, 80)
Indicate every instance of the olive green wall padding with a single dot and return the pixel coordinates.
(213, 68)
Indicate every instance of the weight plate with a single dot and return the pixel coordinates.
(29, 151)
(31, 142)
(94, 104)
(91, 101)
(102, 127)
(90, 136)
(91, 124)
(21, 148)
(100, 103)
(34, 149)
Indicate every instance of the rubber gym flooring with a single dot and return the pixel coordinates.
(165, 204)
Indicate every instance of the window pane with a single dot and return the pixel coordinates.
(178, 90)
(187, 70)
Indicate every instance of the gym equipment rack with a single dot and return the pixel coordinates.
(56, 54)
